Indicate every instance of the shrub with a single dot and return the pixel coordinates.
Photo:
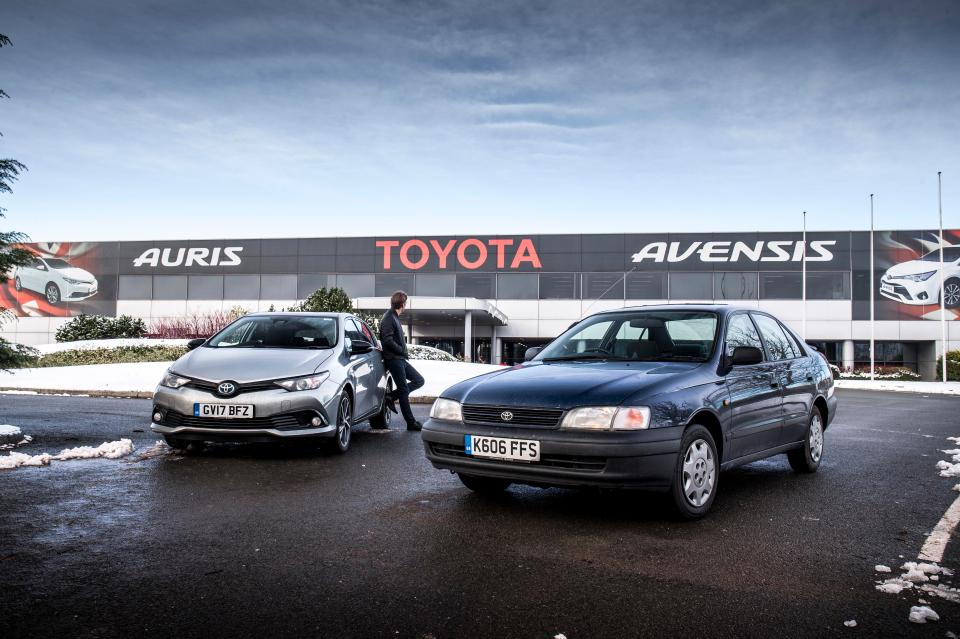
(325, 300)
(85, 326)
(115, 355)
(417, 351)
(16, 355)
(953, 366)
(197, 325)
(882, 372)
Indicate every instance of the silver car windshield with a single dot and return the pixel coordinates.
(277, 332)
(638, 335)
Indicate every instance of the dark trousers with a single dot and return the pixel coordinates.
(406, 379)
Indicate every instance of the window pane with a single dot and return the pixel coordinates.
(241, 287)
(169, 287)
(517, 286)
(646, 286)
(603, 286)
(781, 286)
(559, 286)
(479, 285)
(735, 286)
(775, 341)
(691, 286)
(356, 285)
(205, 287)
(386, 284)
(352, 330)
(135, 287)
(436, 284)
(828, 286)
(279, 287)
(742, 332)
(310, 283)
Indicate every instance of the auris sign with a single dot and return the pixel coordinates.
(195, 256)
(470, 253)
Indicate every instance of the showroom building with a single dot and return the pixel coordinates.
(488, 298)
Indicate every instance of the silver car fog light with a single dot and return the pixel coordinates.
(316, 421)
(158, 416)
(311, 382)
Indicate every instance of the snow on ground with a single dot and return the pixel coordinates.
(850, 624)
(106, 450)
(6, 430)
(923, 614)
(144, 376)
(92, 344)
(881, 568)
(932, 388)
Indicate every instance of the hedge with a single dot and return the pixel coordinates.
(116, 355)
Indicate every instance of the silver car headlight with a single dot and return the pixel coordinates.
(917, 277)
(607, 418)
(172, 380)
(70, 280)
(446, 409)
(310, 382)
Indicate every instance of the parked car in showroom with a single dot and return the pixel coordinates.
(275, 377)
(656, 397)
(56, 279)
(917, 281)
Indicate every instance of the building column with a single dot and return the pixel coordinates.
(468, 336)
(495, 346)
(848, 354)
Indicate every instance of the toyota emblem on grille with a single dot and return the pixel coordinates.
(226, 388)
(506, 416)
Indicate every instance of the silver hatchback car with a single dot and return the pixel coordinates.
(275, 376)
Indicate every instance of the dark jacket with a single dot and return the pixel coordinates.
(391, 337)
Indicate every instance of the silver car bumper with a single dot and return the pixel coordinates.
(277, 414)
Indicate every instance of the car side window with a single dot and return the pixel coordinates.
(353, 331)
(775, 342)
(798, 346)
(742, 332)
(367, 333)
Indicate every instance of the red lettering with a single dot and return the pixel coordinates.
(387, 245)
(472, 264)
(526, 253)
(442, 253)
(501, 246)
(405, 250)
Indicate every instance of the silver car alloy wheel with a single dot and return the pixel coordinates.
(816, 437)
(699, 473)
(343, 422)
(53, 293)
(951, 293)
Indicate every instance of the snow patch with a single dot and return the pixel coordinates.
(881, 568)
(923, 614)
(108, 450)
(6, 430)
(850, 624)
(894, 586)
(947, 469)
(16, 460)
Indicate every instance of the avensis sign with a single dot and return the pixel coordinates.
(729, 251)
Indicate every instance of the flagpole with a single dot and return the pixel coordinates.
(872, 293)
(803, 324)
(943, 302)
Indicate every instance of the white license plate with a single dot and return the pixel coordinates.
(886, 287)
(224, 411)
(527, 450)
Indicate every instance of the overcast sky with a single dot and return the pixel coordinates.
(233, 118)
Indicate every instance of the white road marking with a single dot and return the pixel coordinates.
(937, 541)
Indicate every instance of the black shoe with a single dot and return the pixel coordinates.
(391, 403)
(414, 426)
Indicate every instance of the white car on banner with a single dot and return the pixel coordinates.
(918, 281)
(56, 279)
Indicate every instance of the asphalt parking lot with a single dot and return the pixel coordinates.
(246, 541)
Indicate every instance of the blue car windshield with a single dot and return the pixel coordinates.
(277, 331)
(638, 335)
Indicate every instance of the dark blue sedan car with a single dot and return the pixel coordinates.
(657, 397)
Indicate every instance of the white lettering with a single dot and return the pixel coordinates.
(777, 246)
(231, 252)
(819, 246)
(673, 257)
(165, 257)
(150, 257)
(741, 248)
(197, 256)
(714, 252)
(655, 251)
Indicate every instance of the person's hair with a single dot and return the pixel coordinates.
(398, 299)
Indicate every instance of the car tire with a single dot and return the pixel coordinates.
(697, 474)
(341, 438)
(807, 459)
(951, 293)
(52, 293)
(381, 421)
(484, 485)
(17, 284)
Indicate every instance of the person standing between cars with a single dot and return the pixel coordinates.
(405, 377)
